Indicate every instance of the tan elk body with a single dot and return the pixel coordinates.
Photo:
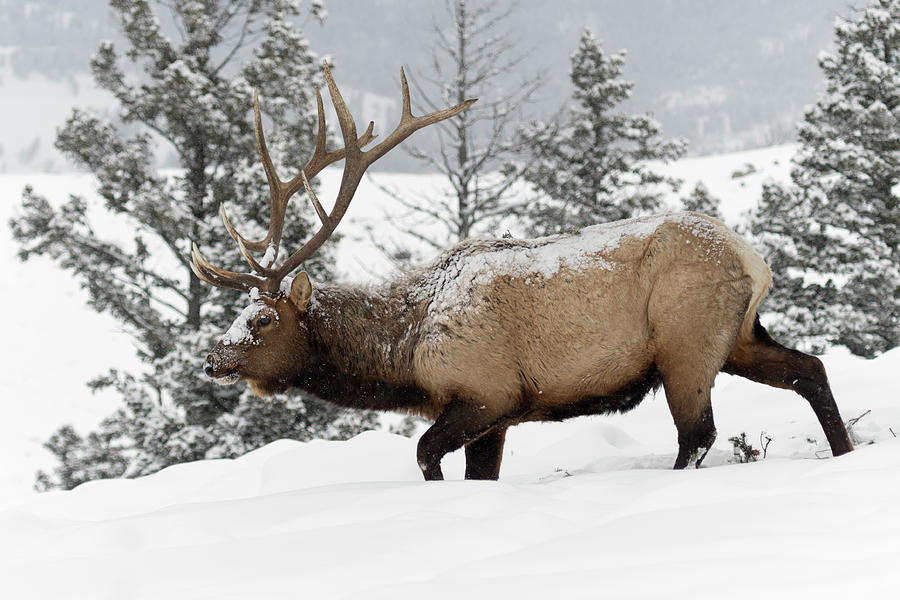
(497, 332)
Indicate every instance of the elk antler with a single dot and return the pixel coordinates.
(280, 191)
(356, 161)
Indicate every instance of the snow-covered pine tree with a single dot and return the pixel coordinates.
(593, 168)
(800, 314)
(835, 234)
(700, 200)
(194, 96)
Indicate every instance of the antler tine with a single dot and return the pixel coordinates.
(262, 148)
(280, 192)
(277, 197)
(323, 216)
(406, 108)
(262, 269)
(213, 275)
(322, 158)
(349, 181)
(409, 124)
(356, 161)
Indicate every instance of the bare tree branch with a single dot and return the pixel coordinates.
(472, 54)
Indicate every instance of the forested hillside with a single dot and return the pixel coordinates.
(726, 74)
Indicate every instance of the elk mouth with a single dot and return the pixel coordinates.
(220, 375)
(229, 378)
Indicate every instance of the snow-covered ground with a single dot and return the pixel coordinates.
(584, 509)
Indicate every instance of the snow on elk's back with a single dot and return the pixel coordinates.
(452, 278)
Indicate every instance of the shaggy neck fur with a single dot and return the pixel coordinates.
(361, 348)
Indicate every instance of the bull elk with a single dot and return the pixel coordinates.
(499, 332)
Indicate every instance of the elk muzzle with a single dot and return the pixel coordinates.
(223, 365)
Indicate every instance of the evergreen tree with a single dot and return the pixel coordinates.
(837, 231)
(798, 313)
(594, 168)
(701, 201)
(195, 95)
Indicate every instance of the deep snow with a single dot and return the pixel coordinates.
(584, 509)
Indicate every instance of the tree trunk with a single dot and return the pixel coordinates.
(462, 150)
(196, 178)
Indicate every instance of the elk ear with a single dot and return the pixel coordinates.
(301, 290)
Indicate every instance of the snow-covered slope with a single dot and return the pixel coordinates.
(584, 509)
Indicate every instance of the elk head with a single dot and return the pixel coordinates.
(270, 339)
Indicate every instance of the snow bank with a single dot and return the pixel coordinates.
(584, 509)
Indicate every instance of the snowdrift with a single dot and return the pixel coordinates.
(584, 509)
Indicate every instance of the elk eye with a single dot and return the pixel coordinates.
(264, 320)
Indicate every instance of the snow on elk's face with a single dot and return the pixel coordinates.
(266, 343)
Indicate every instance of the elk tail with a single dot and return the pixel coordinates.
(760, 282)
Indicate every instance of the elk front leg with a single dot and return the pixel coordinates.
(690, 353)
(483, 456)
(461, 422)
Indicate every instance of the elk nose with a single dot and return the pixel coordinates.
(208, 368)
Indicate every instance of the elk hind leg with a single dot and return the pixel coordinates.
(762, 359)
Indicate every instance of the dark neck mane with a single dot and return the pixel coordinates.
(361, 348)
